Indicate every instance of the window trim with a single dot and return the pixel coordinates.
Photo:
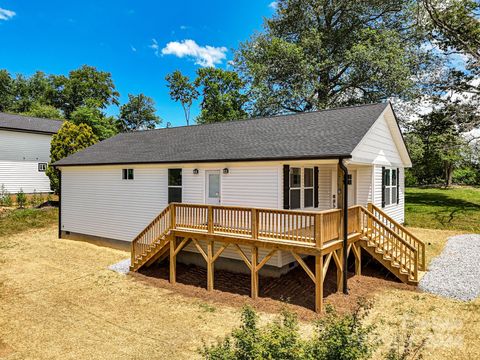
(392, 187)
(126, 174)
(174, 186)
(42, 167)
(302, 187)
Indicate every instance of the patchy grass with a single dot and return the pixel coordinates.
(13, 221)
(447, 209)
(58, 300)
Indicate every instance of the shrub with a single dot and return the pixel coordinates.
(466, 176)
(35, 199)
(21, 199)
(336, 337)
(5, 197)
(405, 348)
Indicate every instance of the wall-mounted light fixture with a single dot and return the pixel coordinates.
(225, 171)
(195, 171)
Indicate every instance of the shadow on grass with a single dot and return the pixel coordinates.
(445, 209)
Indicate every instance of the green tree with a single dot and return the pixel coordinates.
(69, 139)
(43, 111)
(138, 114)
(317, 54)
(6, 91)
(85, 86)
(103, 126)
(222, 95)
(181, 89)
(27, 91)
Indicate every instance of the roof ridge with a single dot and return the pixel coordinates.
(260, 118)
(29, 117)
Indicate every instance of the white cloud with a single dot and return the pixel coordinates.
(203, 55)
(184, 27)
(273, 5)
(134, 49)
(155, 47)
(6, 14)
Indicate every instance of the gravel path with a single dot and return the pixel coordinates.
(456, 272)
(122, 267)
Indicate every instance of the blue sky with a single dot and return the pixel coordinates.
(138, 42)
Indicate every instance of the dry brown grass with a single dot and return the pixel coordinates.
(58, 300)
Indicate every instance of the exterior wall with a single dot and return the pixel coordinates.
(396, 211)
(20, 153)
(378, 146)
(364, 188)
(25, 175)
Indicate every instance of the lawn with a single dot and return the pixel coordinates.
(59, 300)
(13, 221)
(449, 209)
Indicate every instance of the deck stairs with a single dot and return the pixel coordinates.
(387, 241)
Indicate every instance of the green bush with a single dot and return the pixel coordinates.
(410, 178)
(466, 176)
(35, 199)
(21, 199)
(336, 337)
(5, 198)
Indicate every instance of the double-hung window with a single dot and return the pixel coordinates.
(390, 186)
(301, 188)
(174, 185)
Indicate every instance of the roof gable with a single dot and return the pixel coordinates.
(322, 134)
(16, 122)
(383, 144)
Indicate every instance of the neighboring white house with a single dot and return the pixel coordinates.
(114, 188)
(25, 152)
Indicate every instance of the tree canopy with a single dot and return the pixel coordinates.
(317, 54)
(181, 89)
(69, 139)
(138, 114)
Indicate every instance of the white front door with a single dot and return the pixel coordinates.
(213, 187)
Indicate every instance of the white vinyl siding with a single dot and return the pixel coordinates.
(378, 146)
(396, 211)
(325, 199)
(364, 185)
(25, 175)
(23, 146)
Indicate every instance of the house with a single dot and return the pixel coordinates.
(266, 192)
(25, 152)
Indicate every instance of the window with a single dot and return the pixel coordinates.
(127, 174)
(301, 182)
(308, 187)
(391, 183)
(42, 167)
(174, 185)
(295, 187)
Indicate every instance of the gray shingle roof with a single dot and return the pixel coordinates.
(321, 134)
(28, 123)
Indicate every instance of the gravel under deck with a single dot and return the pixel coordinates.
(456, 272)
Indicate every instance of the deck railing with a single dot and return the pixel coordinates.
(401, 231)
(306, 227)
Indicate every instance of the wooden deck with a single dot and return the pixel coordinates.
(318, 234)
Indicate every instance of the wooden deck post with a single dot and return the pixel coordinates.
(173, 260)
(319, 283)
(254, 264)
(210, 265)
(338, 263)
(254, 223)
(173, 214)
(319, 230)
(210, 219)
(358, 258)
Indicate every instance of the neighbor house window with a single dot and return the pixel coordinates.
(127, 174)
(42, 167)
(391, 182)
(174, 185)
(301, 183)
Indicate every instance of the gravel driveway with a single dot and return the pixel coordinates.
(456, 272)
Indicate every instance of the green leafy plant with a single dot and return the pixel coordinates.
(21, 199)
(404, 347)
(34, 199)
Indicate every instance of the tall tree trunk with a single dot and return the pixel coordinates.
(448, 173)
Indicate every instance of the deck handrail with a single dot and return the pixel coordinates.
(391, 243)
(402, 231)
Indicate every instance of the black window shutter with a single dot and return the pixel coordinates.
(383, 186)
(398, 185)
(286, 187)
(315, 186)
